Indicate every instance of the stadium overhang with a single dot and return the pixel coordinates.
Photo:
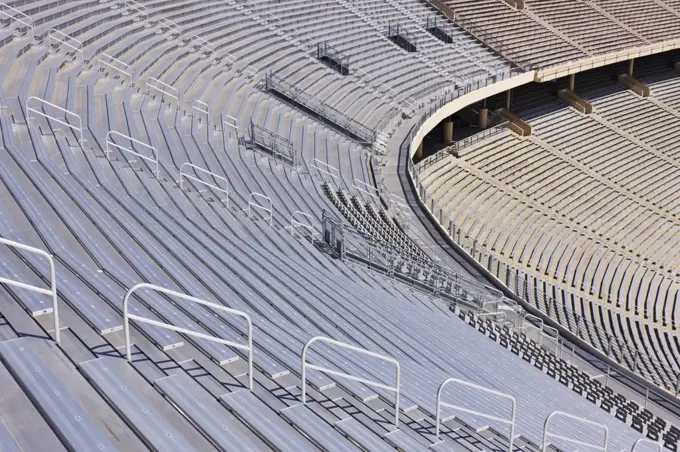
(465, 100)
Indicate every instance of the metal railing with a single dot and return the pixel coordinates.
(115, 64)
(29, 109)
(573, 440)
(318, 106)
(197, 169)
(509, 421)
(127, 317)
(398, 263)
(163, 88)
(269, 208)
(109, 143)
(198, 106)
(52, 292)
(272, 145)
(302, 220)
(64, 39)
(637, 443)
(23, 19)
(138, 7)
(460, 145)
(304, 365)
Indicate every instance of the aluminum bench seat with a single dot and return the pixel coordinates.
(61, 409)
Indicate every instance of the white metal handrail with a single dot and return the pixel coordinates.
(64, 123)
(141, 9)
(510, 421)
(230, 122)
(533, 320)
(198, 169)
(25, 18)
(110, 143)
(78, 49)
(555, 336)
(203, 43)
(170, 24)
(196, 107)
(374, 191)
(163, 88)
(125, 70)
(127, 317)
(251, 71)
(305, 365)
(309, 224)
(231, 59)
(648, 441)
(325, 168)
(53, 281)
(270, 209)
(546, 433)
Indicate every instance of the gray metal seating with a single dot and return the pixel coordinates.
(113, 223)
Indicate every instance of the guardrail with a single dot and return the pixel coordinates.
(197, 169)
(509, 421)
(572, 440)
(57, 120)
(304, 365)
(127, 317)
(109, 143)
(25, 19)
(64, 39)
(52, 292)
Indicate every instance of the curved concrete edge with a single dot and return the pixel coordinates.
(465, 100)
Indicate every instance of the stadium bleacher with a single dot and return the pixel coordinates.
(129, 155)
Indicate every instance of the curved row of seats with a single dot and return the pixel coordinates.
(568, 30)
(587, 206)
(542, 357)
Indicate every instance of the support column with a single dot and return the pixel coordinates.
(483, 118)
(572, 82)
(419, 152)
(447, 131)
(508, 99)
(631, 66)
